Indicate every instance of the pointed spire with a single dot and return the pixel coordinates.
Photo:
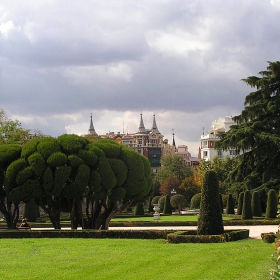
(173, 143)
(154, 127)
(91, 129)
(141, 128)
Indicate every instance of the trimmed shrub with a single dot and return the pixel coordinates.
(138, 209)
(167, 210)
(178, 201)
(271, 206)
(155, 199)
(195, 201)
(221, 203)
(247, 209)
(161, 203)
(230, 205)
(210, 218)
(256, 205)
(240, 203)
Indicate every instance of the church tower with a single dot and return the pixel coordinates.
(91, 129)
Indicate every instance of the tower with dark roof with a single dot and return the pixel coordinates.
(91, 129)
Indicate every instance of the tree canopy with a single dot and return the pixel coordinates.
(257, 133)
(59, 173)
(173, 166)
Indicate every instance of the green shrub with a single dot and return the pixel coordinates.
(240, 203)
(31, 211)
(138, 209)
(178, 201)
(271, 206)
(167, 210)
(195, 201)
(268, 237)
(230, 205)
(161, 203)
(155, 199)
(210, 220)
(247, 209)
(256, 205)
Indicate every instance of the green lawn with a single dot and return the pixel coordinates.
(133, 259)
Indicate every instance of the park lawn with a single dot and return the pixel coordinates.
(133, 259)
(168, 218)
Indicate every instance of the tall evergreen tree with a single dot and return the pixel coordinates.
(257, 133)
(210, 218)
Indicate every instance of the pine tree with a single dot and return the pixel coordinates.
(257, 133)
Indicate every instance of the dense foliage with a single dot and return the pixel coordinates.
(167, 209)
(271, 206)
(256, 205)
(210, 218)
(257, 133)
(247, 208)
(59, 173)
(230, 205)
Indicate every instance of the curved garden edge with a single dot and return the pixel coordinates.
(171, 236)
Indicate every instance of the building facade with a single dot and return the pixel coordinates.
(208, 151)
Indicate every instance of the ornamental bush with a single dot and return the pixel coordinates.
(178, 201)
(271, 206)
(240, 203)
(230, 205)
(195, 201)
(247, 209)
(167, 210)
(138, 209)
(256, 205)
(210, 218)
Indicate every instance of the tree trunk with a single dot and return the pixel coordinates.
(11, 215)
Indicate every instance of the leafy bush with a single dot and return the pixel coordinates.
(195, 201)
(256, 205)
(138, 209)
(210, 218)
(240, 203)
(178, 201)
(230, 205)
(167, 210)
(247, 209)
(271, 207)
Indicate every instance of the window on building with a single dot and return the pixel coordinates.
(233, 152)
(139, 141)
(154, 141)
(139, 151)
(205, 153)
(219, 153)
(205, 143)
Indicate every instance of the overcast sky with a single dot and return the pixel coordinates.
(181, 60)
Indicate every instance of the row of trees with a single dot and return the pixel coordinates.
(59, 174)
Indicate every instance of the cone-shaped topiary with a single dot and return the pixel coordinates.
(195, 201)
(247, 209)
(221, 203)
(240, 203)
(271, 206)
(210, 218)
(256, 205)
(167, 210)
(230, 205)
(138, 209)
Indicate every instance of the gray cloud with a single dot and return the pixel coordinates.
(68, 59)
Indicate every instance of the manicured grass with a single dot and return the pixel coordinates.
(133, 259)
(171, 218)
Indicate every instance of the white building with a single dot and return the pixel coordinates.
(208, 152)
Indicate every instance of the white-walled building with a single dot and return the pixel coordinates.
(208, 152)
